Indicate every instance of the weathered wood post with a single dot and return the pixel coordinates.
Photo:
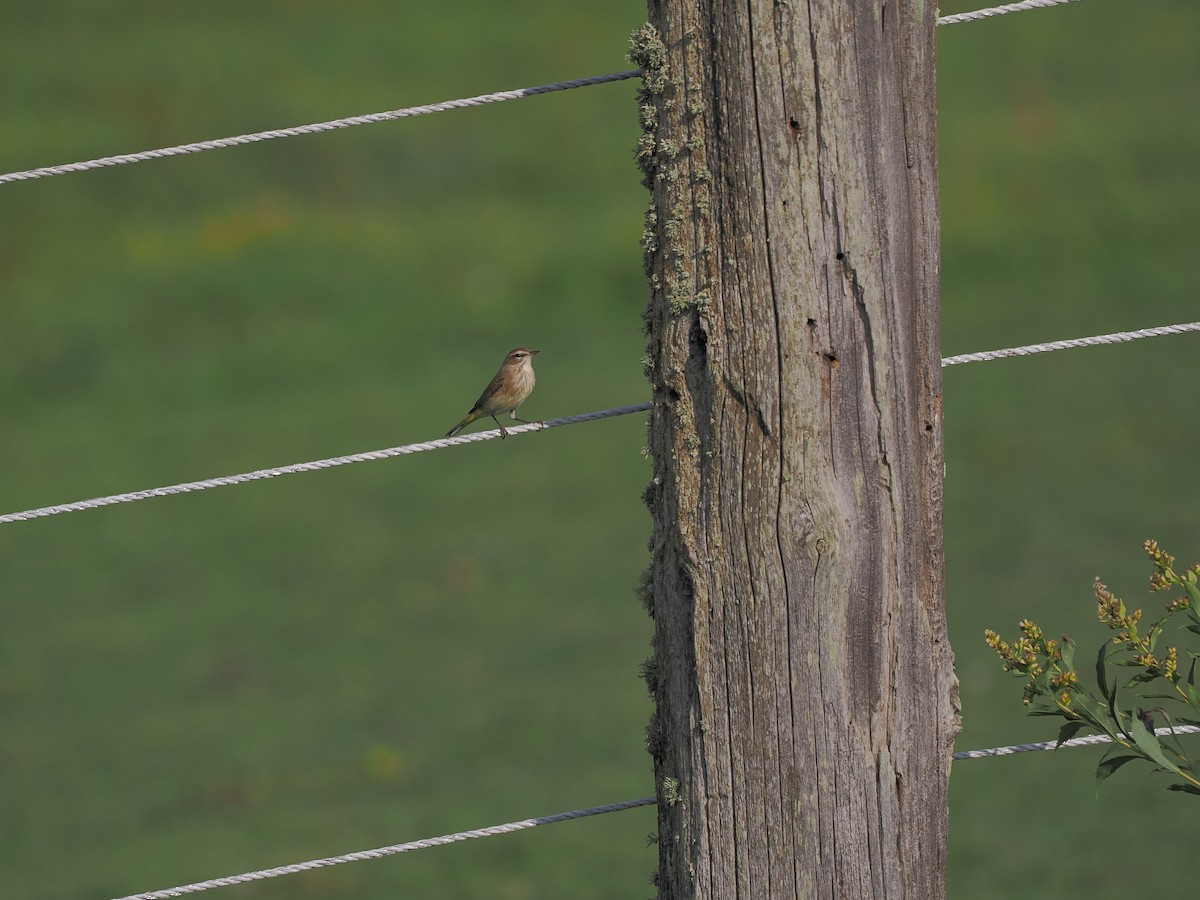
(806, 699)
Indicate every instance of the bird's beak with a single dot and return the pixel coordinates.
(534, 352)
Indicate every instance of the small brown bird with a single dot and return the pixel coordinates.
(509, 389)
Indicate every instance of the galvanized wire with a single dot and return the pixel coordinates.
(1085, 741)
(380, 852)
(408, 112)
(442, 443)
(1000, 11)
(315, 128)
(370, 455)
(1119, 337)
(510, 827)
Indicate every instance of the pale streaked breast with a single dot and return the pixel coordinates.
(525, 382)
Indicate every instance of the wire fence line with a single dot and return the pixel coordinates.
(510, 827)
(443, 443)
(1086, 741)
(315, 128)
(1119, 337)
(408, 112)
(380, 852)
(1000, 11)
(369, 456)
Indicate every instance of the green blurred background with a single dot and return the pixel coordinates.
(202, 685)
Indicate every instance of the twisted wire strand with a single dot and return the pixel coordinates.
(442, 443)
(315, 128)
(1000, 11)
(1073, 742)
(1119, 337)
(368, 456)
(509, 827)
(392, 850)
(370, 118)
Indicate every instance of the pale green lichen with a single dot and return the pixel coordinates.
(679, 298)
(648, 52)
(647, 117)
(674, 222)
(670, 790)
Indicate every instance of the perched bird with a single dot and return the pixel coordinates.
(509, 389)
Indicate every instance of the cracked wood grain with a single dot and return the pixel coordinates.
(806, 703)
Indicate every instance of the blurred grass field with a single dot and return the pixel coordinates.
(202, 685)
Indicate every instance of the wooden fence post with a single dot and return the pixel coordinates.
(806, 703)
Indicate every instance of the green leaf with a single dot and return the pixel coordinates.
(1171, 741)
(1155, 632)
(1183, 786)
(1193, 696)
(1193, 610)
(1192, 627)
(1193, 593)
(1067, 649)
(1068, 731)
(1087, 700)
(1102, 670)
(1109, 765)
(1140, 678)
(1148, 744)
(1101, 724)
(1109, 693)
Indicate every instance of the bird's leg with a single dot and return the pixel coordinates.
(503, 431)
(517, 418)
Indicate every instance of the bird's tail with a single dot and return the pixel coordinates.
(471, 417)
